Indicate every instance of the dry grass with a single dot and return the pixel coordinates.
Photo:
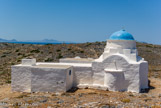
(125, 100)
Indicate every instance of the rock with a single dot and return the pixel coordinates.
(55, 99)
(58, 94)
(80, 95)
(105, 106)
(44, 100)
(131, 95)
(159, 95)
(60, 102)
(147, 99)
(5, 99)
(143, 96)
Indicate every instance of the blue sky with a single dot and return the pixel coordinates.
(80, 20)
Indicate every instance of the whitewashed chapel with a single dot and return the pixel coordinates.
(119, 68)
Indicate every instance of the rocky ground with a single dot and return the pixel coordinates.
(83, 98)
(11, 54)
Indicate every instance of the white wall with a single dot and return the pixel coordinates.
(21, 78)
(131, 81)
(29, 62)
(74, 60)
(144, 74)
(82, 75)
(114, 81)
(48, 80)
(124, 44)
(41, 79)
(125, 47)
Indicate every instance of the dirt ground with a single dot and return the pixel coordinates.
(84, 98)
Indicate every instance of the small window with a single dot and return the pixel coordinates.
(70, 72)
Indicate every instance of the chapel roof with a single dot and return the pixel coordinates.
(121, 35)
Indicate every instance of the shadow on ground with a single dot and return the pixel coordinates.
(148, 89)
(72, 90)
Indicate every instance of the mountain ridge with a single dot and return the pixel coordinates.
(35, 41)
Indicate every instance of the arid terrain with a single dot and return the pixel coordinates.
(83, 98)
(11, 54)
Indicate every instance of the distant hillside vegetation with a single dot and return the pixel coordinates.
(11, 54)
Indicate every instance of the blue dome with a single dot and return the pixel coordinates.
(121, 35)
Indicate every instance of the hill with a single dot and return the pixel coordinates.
(11, 54)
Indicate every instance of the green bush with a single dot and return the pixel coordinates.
(17, 50)
(19, 54)
(3, 56)
(60, 56)
(149, 45)
(69, 49)
(81, 51)
(34, 51)
(8, 81)
(49, 60)
(58, 50)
